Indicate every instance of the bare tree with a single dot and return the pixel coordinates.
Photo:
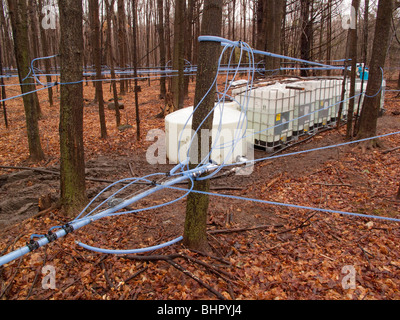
(135, 66)
(19, 22)
(370, 111)
(306, 39)
(269, 36)
(47, 64)
(96, 52)
(122, 43)
(178, 61)
(352, 43)
(3, 89)
(195, 235)
(109, 6)
(160, 29)
(72, 163)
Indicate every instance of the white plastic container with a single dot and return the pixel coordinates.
(337, 94)
(364, 89)
(233, 126)
(269, 114)
(304, 105)
(324, 103)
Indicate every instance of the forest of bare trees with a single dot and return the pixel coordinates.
(93, 75)
(123, 37)
(297, 28)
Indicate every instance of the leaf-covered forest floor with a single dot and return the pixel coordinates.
(257, 251)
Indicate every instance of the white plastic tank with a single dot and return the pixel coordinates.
(235, 105)
(337, 97)
(304, 105)
(364, 89)
(324, 103)
(270, 114)
(229, 125)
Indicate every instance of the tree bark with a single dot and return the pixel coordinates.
(272, 30)
(306, 38)
(3, 89)
(398, 194)
(109, 7)
(160, 29)
(178, 61)
(398, 82)
(95, 33)
(47, 64)
(188, 41)
(370, 110)
(353, 41)
(72, 168)
(19, 21)
(195, 236)
(135, 66)
(364, 59)
(7, 39)
(329, 36)
(122, 44)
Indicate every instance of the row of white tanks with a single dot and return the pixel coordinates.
(267, 116)
(281, 112)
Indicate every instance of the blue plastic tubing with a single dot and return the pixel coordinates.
(85, 221)
(226, 42)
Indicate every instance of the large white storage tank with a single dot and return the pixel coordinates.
(360, 94)
(304, 105)
(229, 125)
(269, 113)
(337, 95)
(324, 103)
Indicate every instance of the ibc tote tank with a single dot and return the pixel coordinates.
(324, 103)
(304, 105)
(270, 114)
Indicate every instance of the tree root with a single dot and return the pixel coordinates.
(370, 145)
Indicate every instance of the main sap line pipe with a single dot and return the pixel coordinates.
(75, 225)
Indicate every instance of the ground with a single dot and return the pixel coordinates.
(258, 251)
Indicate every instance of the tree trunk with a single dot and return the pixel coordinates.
(72, 168)
(135, 66)
(398, 82)
(195, 236)
(306, 38)
(188, 41)
(178, 61)
(370, 111)
(47, 64)
(160, 29)
(122, 44)
(398, 194)
(364, 59)
(353, 40)
(168, 30)
(109, 7)
(148, 19)
(3, 89)
(7, 39)
(19, 22)
(272, 30)
(329, 36)
(95, 33)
